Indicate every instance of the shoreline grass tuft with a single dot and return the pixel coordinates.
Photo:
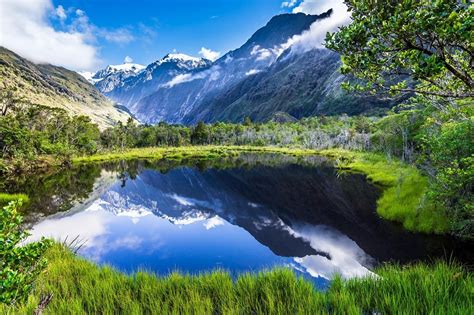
(80, 287)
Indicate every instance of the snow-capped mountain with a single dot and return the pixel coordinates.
(125, 69)
(182, 61)
(127, 86)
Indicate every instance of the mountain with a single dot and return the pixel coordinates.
(299, 85)
(261, 79)
(174, 102)
(126, 86)
(113, 73)
(57, 87)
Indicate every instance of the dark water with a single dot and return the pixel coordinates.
(246, 214)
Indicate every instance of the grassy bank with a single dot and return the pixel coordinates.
(80, 287)
(404, 188)
(403, 198)
(203, 152)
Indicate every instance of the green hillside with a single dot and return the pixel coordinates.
(56, 87)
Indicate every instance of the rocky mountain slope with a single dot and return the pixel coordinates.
(57, 87)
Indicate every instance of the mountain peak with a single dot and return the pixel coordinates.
(181, 60)
(282, 27)
(180, 57)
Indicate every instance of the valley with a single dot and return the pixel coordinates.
(272, 157)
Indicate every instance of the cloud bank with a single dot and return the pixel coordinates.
(27, 28)
(211, 74)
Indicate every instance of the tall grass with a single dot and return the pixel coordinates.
(80, 287)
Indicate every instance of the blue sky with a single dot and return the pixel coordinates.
(155, 28)
(85, 35)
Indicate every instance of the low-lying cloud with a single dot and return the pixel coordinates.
(209, 54)
(314, 37)
(211, 74)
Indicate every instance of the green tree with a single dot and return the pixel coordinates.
(19, 264)
(390, 42)
(451, 153)
(200, 134)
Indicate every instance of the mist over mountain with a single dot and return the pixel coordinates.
(264, 77)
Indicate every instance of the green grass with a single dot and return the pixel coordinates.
(6, 198)
(203, 152)
(80, 287)
(404, 188)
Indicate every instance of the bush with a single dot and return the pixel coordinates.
(19, 265)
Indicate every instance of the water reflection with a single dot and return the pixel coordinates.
(240, 218)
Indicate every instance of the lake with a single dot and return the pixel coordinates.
(242, 214)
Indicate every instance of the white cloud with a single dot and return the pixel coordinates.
(252, 72)
(212, 74)
(261, 53)
(347, 258)
(314, 37)
(25, 29)
(209, 54)
(128, 59)
(82, 25)
(61, 13)
(213, 222)
(289, 4)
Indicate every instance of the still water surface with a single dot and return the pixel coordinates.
(246, 214)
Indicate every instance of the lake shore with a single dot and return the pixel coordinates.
(403, 199)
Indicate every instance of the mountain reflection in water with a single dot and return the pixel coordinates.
(237, 218)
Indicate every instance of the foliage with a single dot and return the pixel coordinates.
(20, 264)
(80, 287)
(33, 130)
(390, 42)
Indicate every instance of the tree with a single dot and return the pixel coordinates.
(247, 121)
(200, 134)
(451, 153)
(391, 42)
(19, 264)
(9, 101)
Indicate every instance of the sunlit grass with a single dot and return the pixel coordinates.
(6, 198)
(80, 287)
(204, 152)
